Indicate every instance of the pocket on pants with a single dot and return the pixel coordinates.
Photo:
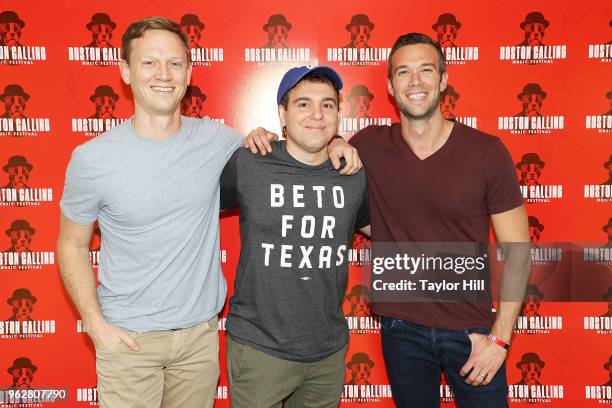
(387, 323)
(237, 359)
(120, 345)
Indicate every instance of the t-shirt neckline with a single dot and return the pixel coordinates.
(289, 157)
(407, 151)
(184, 129)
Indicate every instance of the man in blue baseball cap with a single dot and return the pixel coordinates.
(287, 335)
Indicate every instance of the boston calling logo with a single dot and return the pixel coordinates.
(447, 30)
(15, 120)
(601, 51)
(193, 29)
(602, 122)
(533, 49)
(19, 255)
(12, 51)
(192, 103)
(359, 317)
(22, 322)
(530, 119)
(601, 324)
(358, 387)
(358, 50)
(601, 192)
(448, 104)
(530, 388)
(531, 320)
(530, 169)
(100, 49)
(22, 373)
(17, 190)
(103, 118)
(360, 100)
(277, 47)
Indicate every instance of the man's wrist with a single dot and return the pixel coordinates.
(494, 339)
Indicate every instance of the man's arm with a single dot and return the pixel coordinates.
(77, 274)
(259, 141)
(229, 183)
(512, 231)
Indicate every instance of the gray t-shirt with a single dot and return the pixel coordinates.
(157, 204)
(296, 225)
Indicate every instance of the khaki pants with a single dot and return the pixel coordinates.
(259, 380)
(174, 368)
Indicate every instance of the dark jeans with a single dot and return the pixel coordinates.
(415, 356)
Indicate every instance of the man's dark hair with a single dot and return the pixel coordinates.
(313, 77)
(138, 28)
(416, 38)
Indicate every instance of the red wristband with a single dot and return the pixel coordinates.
(498, 341)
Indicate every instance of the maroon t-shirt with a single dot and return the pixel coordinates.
(447, 197)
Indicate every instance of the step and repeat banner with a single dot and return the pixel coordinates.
(538, 75)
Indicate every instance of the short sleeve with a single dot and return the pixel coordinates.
(81, 199)
(229, 138)
(502, 188)
(229, 183)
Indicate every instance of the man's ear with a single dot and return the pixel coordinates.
(281, 115)
(124, 69)
(443, 81)
(390, 88)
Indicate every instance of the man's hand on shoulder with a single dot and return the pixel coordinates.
(258, 141)
(338, 148)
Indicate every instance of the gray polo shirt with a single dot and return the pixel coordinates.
(157, 204)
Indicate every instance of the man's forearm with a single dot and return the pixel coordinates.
(507, 312)
(513, 283)
(77, 274)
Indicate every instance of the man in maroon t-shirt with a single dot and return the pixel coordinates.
(433, 180)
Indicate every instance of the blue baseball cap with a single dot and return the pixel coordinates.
(295, 75)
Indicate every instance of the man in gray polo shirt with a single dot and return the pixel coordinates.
(287, 332)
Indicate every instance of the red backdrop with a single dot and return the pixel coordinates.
(46, 53)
